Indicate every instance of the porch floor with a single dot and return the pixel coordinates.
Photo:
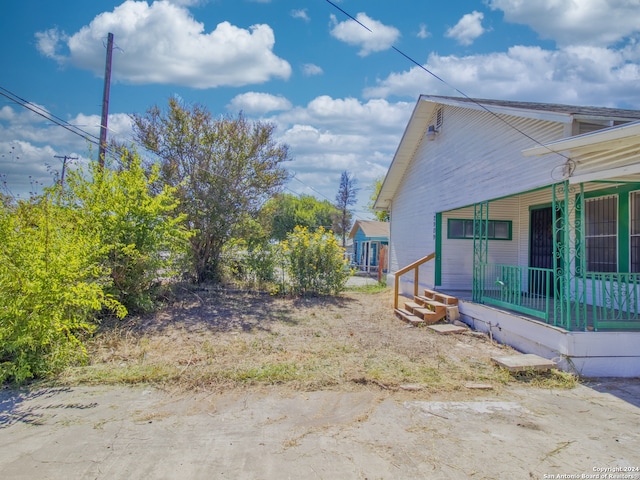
(629, 324)
(603, 353)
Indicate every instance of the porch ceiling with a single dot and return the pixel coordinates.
(608, 154)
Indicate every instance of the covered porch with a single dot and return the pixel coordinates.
(584, 228)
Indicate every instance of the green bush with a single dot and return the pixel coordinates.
(51, 288)
(314, 262)
(141, 240)
(101, 244)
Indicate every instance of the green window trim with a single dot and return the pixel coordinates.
(623, 193)
(462, 229)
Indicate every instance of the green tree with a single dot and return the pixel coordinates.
(346, 197)
(381, 215)
(223, 169)
(284, 212)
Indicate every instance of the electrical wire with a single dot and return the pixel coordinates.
(422, 67)
(49, 116)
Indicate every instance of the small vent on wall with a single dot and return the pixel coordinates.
(433, 129)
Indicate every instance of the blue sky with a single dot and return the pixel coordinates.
(340, 95)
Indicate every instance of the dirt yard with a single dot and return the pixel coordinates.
(249, 386)
(212, 340)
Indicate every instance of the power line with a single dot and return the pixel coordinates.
(485, 108)
(89, 137)
(96, 140)
(324, 196)
(48, 116)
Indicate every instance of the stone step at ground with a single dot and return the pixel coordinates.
(524, 362)
(447, 328)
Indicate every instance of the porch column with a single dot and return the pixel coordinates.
(568, 252)
(480, 247)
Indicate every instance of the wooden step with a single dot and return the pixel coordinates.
(427, 313)
(428, 309)
(411, 305)
(432, 304)
(430, 317)
(440, 297)
(409, 317)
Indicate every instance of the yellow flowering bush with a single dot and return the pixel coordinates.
(314, 262)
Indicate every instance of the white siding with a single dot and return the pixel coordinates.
(475, 157)
(457, 254)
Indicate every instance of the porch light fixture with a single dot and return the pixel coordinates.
(431, 133)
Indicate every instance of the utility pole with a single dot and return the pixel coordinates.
(64, 166)
(105, 102)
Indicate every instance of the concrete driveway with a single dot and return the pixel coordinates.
(145, 433)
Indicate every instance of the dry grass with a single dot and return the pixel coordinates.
(215, 340)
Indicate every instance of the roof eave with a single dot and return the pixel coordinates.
(411, 138)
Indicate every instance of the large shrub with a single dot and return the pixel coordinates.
(69, 256)
(314, 262)
(141, 240)
(50, 288)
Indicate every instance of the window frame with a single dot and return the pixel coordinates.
(468, 231)
(616, 235)
(623, 191)
(632, 235)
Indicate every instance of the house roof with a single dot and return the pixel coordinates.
(579, 112)
(611, 154)
(427, 104)
(371, 229)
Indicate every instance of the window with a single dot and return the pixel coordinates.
(463, 228)
(601, 233)
(634, 231)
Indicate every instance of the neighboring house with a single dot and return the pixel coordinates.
(370, 241)
(533, 213)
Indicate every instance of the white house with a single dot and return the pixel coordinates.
(533, 214)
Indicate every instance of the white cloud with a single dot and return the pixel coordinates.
(49, 42)
(29, 145)
(258, 103)
(350, 115)
(301, 14)
(310, 70)
(583, 22)
(423, 32)
(326, 136)
(330, 135)
(468, 28)
(377, 38)
(574, 75)
(162, 43)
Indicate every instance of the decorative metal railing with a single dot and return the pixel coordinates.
(614, 299)
(522, 289)
(611, 300)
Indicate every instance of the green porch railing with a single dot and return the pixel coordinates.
(522, 289)
(614, 300)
